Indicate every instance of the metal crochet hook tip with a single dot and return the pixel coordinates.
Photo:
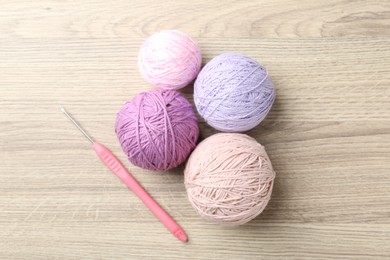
(77, 125)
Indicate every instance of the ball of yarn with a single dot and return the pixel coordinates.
(233, 93)
(157, 129)
(229, 178)
(169, 59)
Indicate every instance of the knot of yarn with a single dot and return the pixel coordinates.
(233, 93)
(169, 59)
(157, 129)
(229, 178)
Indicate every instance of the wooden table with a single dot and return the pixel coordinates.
(328, 134)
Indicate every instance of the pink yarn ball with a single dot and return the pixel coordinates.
(169, 59)
(229, 178)
(157, 129)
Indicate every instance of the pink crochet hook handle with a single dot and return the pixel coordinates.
(116, 167)
(119, 170)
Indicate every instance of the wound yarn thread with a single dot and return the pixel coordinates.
(169, 59)
(157, 129)
(229, 178)
(233, 93)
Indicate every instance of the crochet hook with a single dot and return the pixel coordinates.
(119, 170)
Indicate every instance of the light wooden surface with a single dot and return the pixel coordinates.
(328, 133)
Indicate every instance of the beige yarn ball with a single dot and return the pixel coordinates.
(229, 178)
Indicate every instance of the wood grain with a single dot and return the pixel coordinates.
(328, 134)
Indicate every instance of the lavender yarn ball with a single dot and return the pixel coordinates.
(233, 93)
(157, 129)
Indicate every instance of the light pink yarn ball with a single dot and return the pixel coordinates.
(169, 59)
(229, 178)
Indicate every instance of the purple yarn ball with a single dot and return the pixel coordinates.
(233, 93)
(157, 129)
